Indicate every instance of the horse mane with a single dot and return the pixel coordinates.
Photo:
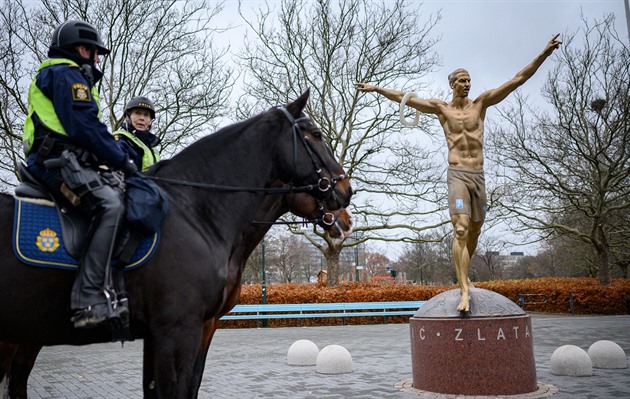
(218, 139)
(204, 147)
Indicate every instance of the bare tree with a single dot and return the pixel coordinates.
(329, 46)
(568, 169)
(163, 49)
(486, 264)
(548, 262)
(376, 264)
(252, 274)
(418, 262)
(429, 260)
(287, 255)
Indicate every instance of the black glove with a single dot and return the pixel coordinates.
(129, 168)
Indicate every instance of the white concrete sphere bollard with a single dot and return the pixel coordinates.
(607, 355)
(334, 359)
(571, 360)
(302, 353)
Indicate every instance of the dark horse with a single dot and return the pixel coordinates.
(17, 361)
(189, 279)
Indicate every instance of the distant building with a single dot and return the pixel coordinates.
(510, 261)
(322, 276)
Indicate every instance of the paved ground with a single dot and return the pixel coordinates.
(251, 363)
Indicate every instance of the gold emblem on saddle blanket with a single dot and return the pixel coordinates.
(47, 240)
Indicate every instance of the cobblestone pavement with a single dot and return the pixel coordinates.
(251, 363)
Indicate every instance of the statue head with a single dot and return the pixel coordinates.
(453, 75)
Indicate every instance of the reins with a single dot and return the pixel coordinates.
(304, 222)
(218, 187)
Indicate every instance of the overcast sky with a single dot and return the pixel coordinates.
(492, 39)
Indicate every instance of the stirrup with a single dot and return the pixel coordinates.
(118, 317)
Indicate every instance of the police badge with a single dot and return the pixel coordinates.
(80, 92)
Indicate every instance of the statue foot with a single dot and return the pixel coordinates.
(464, 304)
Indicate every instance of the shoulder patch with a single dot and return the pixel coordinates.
(80, 92)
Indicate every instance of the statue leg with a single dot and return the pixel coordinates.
(461, 257)
(474, 230)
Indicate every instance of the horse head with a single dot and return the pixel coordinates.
(307, 159)
(338, 223)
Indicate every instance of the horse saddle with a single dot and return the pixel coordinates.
(47, 234)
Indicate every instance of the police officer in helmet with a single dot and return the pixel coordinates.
(63, 122)
(135, 132)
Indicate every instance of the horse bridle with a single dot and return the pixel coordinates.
(324, 184)
(325, 218)
(334, 220)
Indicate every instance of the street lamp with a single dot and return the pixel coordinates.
(356, 262)
(264, 280)
(356, 237)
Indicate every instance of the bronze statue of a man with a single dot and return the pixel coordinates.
(462, 120)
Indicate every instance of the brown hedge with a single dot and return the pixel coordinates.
(588, 297)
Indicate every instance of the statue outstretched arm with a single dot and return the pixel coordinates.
(428, 106)
(495, 96)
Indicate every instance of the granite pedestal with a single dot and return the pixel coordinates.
(487, 351)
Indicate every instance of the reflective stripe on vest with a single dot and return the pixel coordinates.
(41, 105)
(149, 156)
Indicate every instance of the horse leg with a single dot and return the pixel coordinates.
(21, 368)
(148, 378)
(173, 353)
(7, 352)
(209, 328)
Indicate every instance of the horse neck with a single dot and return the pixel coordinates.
(270, 210)
(229, 158)
(232, 157)
(238, 156)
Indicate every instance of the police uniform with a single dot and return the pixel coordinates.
(61, 102)
(139, 143)
(64, 118)
(143, 153)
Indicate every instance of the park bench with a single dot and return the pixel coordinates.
(317, 310)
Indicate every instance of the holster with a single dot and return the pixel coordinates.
(78, 179)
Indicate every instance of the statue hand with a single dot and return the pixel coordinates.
(364, 87)
(553, 44)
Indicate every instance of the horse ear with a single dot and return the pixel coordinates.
(296, 107)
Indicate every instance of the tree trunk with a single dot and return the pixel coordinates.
(603, 251)
(623, 266)
(604, 269)
(332, 261)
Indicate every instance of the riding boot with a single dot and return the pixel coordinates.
(92, 279)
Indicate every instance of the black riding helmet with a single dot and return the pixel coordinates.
(140, 102)
(73, 32)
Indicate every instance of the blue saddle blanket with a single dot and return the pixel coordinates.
(37, 239)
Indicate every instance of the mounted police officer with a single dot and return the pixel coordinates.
(64, 124)
(135, 132)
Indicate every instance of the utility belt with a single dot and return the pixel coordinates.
(47, 146)
(79, 169)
